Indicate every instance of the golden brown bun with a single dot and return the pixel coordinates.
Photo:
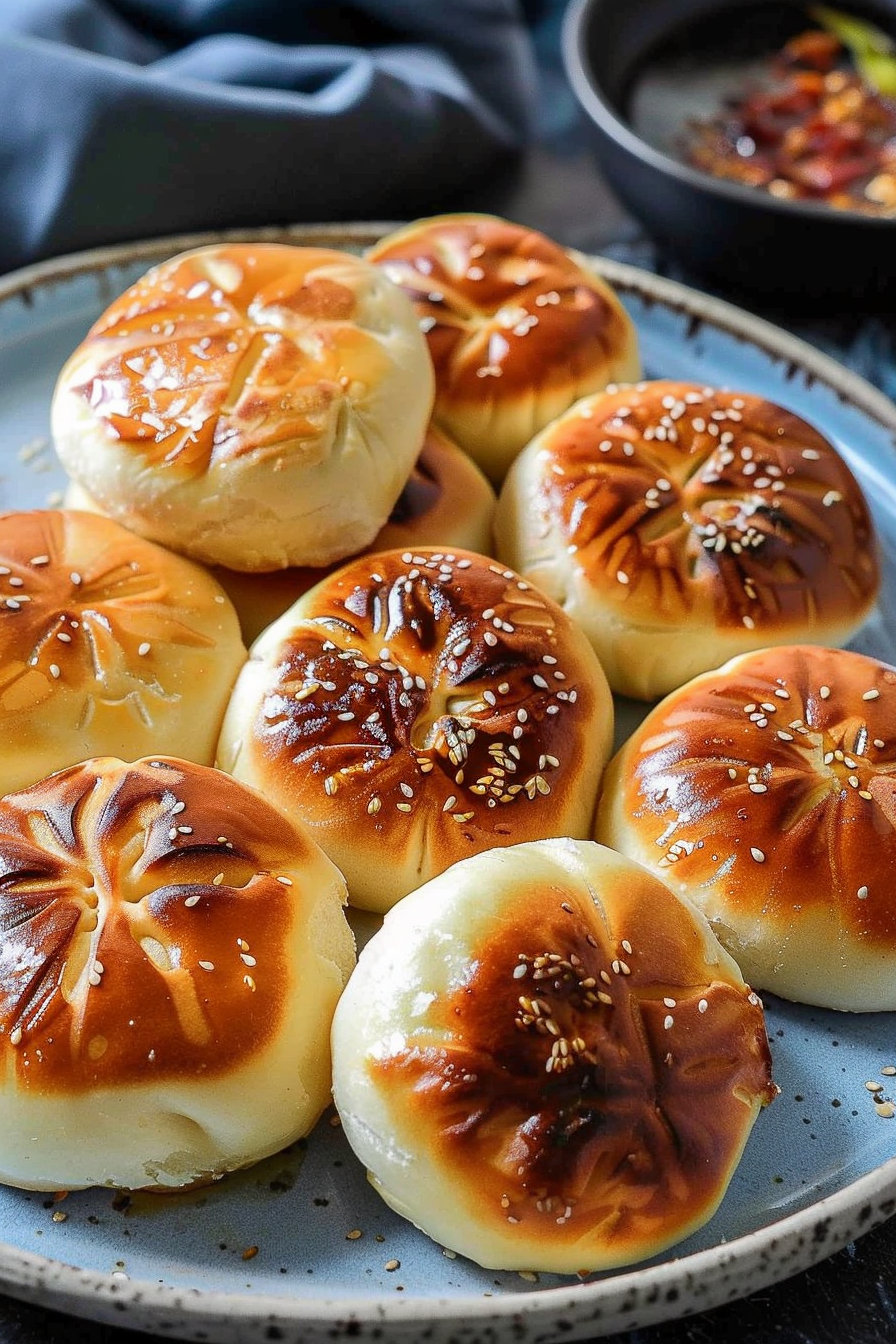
(548, 1062)
(417, 707)
(517, 328)
(251, 405)
(109, 644)
(765, 792)
(173, 953)
(680, 526)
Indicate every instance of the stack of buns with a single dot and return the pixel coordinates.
(289, 446)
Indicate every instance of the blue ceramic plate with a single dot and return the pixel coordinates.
(300, 1247)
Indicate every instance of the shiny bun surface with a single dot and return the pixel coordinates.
(255, 406)
(547, 1061)
(173, 950)
(765, 792)
(518, 328)
(681, 525)
(416, 707)
(109, 645)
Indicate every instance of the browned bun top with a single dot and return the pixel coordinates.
(547, 1060)
(109, 644)
(145, 914)
(765, 791)
(499, 301)
(207, 357)
(516, 327)
(586, 1069)
(684, 503)
(423, 691)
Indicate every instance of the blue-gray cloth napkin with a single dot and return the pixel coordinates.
(122, 119)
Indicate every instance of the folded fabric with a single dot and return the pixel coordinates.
(140, 117)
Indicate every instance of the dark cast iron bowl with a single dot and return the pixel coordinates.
(629, 59)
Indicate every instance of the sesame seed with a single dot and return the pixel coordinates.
(757, 854)
(490, 639)
(862, 893)
(54, 669)
(621, 576)
(702, 1006)
(871, 695)
(285, 881)
(874, 1087)
(15, 1036)
(346, 716)
(193, 900)
(217, 879)
(668, 1021)
(207, 965)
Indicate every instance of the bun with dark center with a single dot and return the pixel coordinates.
(109, 644)
(173, 950)
(765, 791)
(417, 707)
(680, 525)
(446, 501)
(254, 406)
(518, 328)
(546, 1060)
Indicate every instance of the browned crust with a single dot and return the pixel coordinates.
(506, 311)
(200, 361)
(421, 688)
(144, 929)
(591, 1070)
(99, 628)
(768, 789)
(687, 503)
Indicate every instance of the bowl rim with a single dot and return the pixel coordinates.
(591, 98)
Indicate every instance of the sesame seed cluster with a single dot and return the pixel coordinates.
(432, 690)
(607, 995)
(764, 791)
(703, 520)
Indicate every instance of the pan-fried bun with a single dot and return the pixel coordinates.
(547, 1061)
(173, 950)
(109, 645)
(766, 792)
(416, 707)
(680, 525)
(250, 405)
(518, 328)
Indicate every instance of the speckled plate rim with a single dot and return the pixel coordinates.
(627, 1300)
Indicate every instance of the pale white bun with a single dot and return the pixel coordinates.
(518, 327)
(419, 706)
(765, 791)
(167, 1000)
(445, 501)
(547, 1061)
(680, 525)
(251, 405)
(109, 645)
